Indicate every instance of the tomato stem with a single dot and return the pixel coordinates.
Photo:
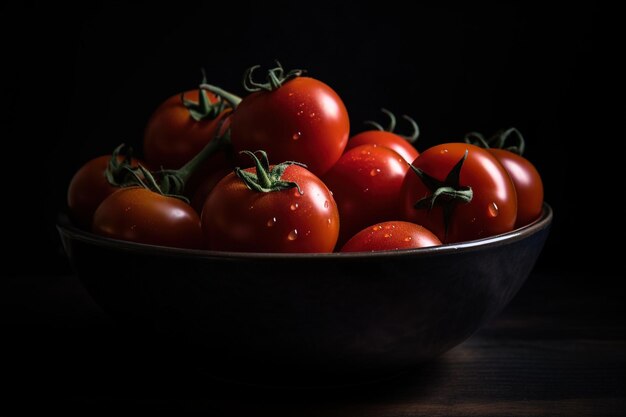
(275, 78)
(446, 193)
(203, 109)
(392, 126)
(498, 140)
(266, 179)
(116, 171)
(231, 98)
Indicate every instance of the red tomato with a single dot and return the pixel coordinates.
(88, 188)
(480, 178)
(173, 136)
(303, 120)
(386, 139)
(392, 235)
(237, 218)
(139, 215)
(366, 183)
(528, 185)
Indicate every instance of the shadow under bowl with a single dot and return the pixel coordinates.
(304, 318)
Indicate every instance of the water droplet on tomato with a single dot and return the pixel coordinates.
(366, 190)
(296, 136)
(365, 152)
(374, 172)
(408, 239)
(300, 112)
(293, 235)
(376, 228)
(271, 222)
(296, 193)
(443, 151)
(312, 114)
(326, 204)
(329, 222)
(387, 235)
(294, 206)
(492, 210)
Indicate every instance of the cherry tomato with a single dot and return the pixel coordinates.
(392, 235)
(139, 215)
(388, 140)
(237, 218)
(476, 197)
(366, 183)
(173, 136)
(88, 188)
(528, 185)
(303, 120)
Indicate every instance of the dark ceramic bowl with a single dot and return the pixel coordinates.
(304, 317)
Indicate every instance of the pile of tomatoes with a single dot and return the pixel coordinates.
(276, 171)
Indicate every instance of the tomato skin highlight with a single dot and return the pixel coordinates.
(88, 188)
(139, 215)
(393, 235)
(235, 218)
(304, 120)
(366, 183)
(493, 208)
(388, 140)
(172, 137)
(527, 182)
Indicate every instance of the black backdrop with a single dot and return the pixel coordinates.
(78, 80)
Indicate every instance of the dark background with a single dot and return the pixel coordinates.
(76, 81)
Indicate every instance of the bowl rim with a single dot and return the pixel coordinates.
(65, 228)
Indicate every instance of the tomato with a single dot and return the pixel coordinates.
(302, 120)
(88, 188)
(366, 183)
(139, 215)
(392, 235)
(237, 217)
(528, 185)
(475, 196)
(387, 138)
(175, 133)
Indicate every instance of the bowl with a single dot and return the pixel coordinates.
(300, 318)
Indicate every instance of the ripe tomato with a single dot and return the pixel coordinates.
(88, 188)
(139, 215)
(366, 183)
(475, 196)
(528, 185)
(237, 218)
(392, 235)
(302, 120)
(387, 138)
(175, 133)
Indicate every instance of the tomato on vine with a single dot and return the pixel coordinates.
(404, 145)
(94, 182)
(289, 116)
(182, 126)
(281, 208)
(460, 192)
(525, 177)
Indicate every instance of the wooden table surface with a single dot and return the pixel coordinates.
(558, 349)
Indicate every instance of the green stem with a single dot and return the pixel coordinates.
(231, 98)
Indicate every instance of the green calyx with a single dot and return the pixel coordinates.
(498, 140)
(116, 172)
(275, 78)
(171, 182)
(391, 127)
(447, 193)
(203, 109)
(267, 179)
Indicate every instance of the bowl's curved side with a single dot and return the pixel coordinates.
(249, 318)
